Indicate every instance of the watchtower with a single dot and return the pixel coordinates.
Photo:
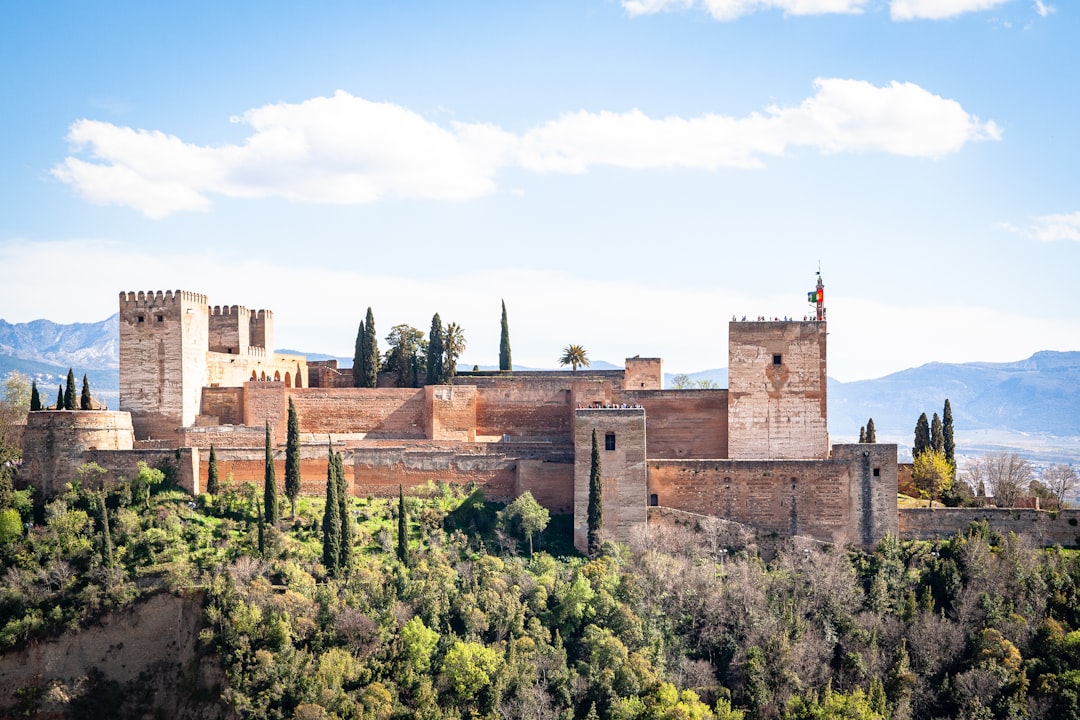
(164, 337)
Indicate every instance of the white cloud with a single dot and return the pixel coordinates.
(347, 150)
(1043, 9)
(937, 9)
(725, 10)
(1049, 228)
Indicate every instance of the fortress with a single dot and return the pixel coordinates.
(194, 376)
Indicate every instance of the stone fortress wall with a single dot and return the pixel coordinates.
(194, 376)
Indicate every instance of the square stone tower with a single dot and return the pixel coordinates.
(777, 390)
(164, 337)
(620, 436)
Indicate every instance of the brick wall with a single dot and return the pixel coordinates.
(530, 409)
(683, 423)
(264, 402)
(452, 412)
(1043, 527)
(644, 374)
(551, 483)
(54, 443)
(224, 403)
(379, 412)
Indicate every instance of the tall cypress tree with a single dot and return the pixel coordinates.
(435, 373)
(106, 533)
(505, 363)
(60, 397)
(371, 352)
(331, 522)
(402, 528)
(213, 486)
(947, 434)
(292, 458)
(345, 556)
(862, 434)
(596, 500)
(270, 499)
(69, 392)
(871, 432)
(84, 399)
(922, 436)
(35, 397)
(359, 357)
(937, 438)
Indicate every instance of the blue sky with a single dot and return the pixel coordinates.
(626, 175)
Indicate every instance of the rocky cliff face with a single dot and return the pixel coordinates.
(141, 662)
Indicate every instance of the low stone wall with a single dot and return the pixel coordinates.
(1043, 527)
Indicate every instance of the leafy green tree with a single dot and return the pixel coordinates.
(370, 367)
(69, 391)
(453, 345)
(292, 458)
(11, 526)
(407, 344)
(948, 436)
(85, 401)
(505, 363)
(418, 644)
(106, 532)
(331, 522)
(531, 516)
(346, 547)
(402, 527)
(359, 357)
(932, 473)
(213, 484)
(271, 512)
(435, 352)
(35, 397)
(871, 431)
(922, 436)
(469, 668)
(596, 500)
(937, 438)
(146, 479)
(574, 356)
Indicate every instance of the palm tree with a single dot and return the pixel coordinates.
(453, 346)
(574, 355)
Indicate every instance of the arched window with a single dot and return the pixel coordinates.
(254, 377)
(277, 377)
(288, 380)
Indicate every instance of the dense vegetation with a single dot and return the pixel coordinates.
(683, 624)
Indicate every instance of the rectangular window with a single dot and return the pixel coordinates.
(877, 472)
(141, 318)
(160, 318)
(777, 359)
(609, 441)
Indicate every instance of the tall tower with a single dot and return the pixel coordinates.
(164, 338)
(777, 387)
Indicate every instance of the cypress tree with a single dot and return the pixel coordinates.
(106, 533)
(346, 547)
(331, 522)
(371, 352)
(84, 399)
(596, 500)
(35, 397)
(937, 438)
(922, 436)
(213, 486)
(435, 373)
(871, 432)
(60, 398)
(402, 528)
(862, 434)
(69, 392)
(505, 364)
(292, 458)
(262, 532)
(949, 440)
(270, 499)
(358, 357)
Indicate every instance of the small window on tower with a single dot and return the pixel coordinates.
(609, 441)
(141, 318)
(877, 472)
(777, 359)
(654, 500)
(160, 318)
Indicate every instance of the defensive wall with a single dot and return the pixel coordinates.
(1042, 526)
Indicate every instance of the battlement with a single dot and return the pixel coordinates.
(158, 298)
(227, 311)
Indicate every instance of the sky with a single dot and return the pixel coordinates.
(626, 175)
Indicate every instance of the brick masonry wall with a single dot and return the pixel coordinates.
(265, 402)
(224, 403)
(54, 443)
(452, 412)
(551, 483)
(644, 374)
(525, 409)
(378, 412)
(683, 423)
(1043, 527)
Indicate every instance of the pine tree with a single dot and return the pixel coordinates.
(358, 357)
(862, 434)
(213, 486)
(596, 500)
(69, 392)
(292, 458)
(922, 436)
(937, 438)
(505, 364)
(35, 397)
(270, 498)
(871, 432)
(331, 523)
(346, 548)
(371, 352)
(84, 399)
(435, 373)
(949, 440)
(60, 398)
(402, 528)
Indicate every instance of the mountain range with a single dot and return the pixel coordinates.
(1030, 406)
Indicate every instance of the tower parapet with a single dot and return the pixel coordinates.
(261, 332)
(230, 329)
